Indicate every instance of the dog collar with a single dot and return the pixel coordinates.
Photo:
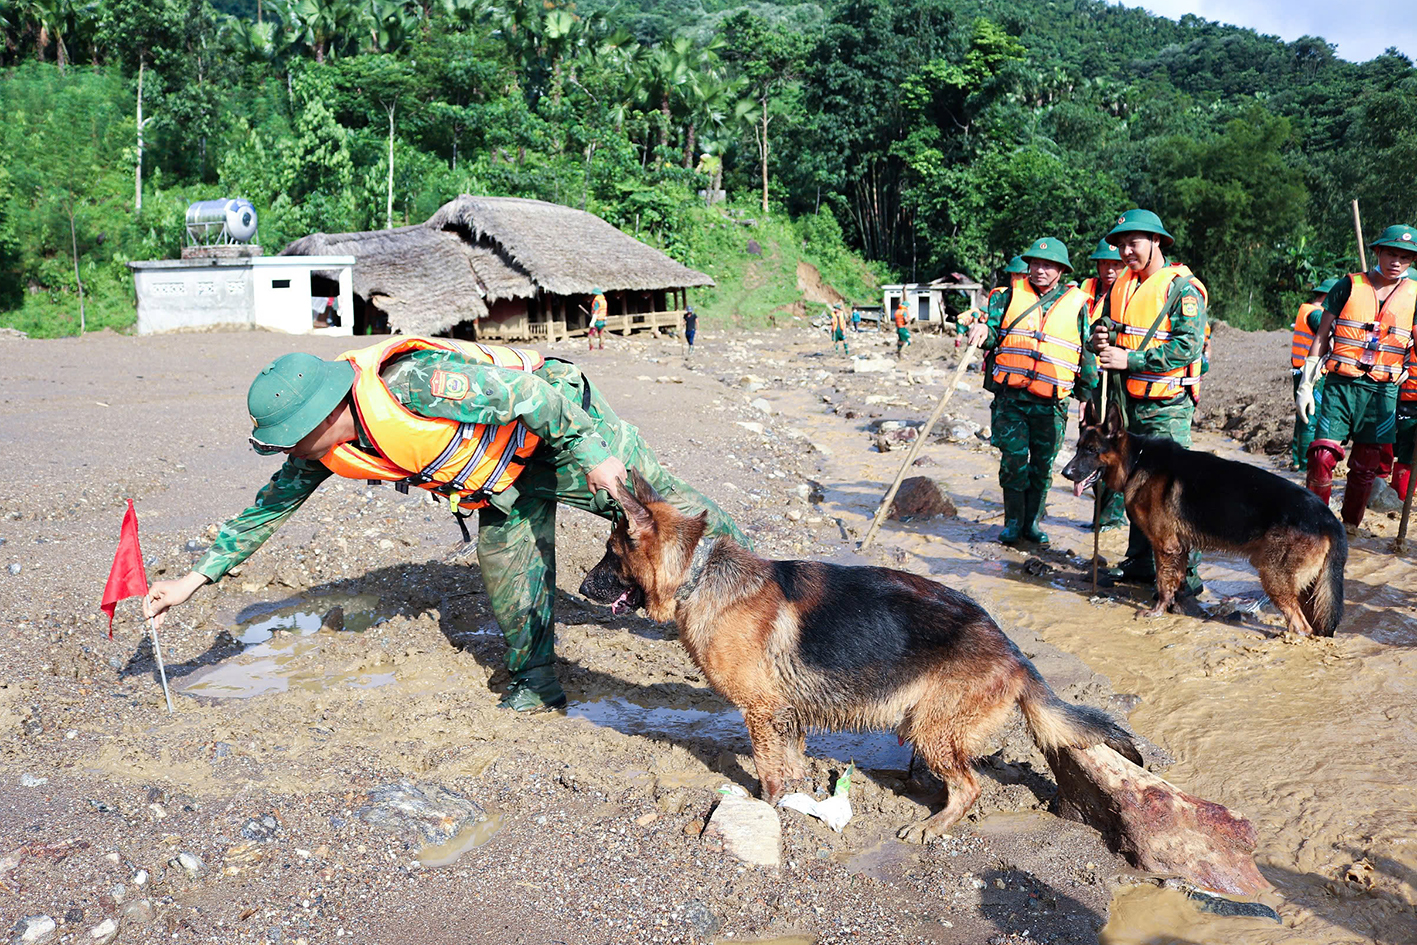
(697, 563)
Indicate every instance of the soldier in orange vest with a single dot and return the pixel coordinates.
(1157, 310)
(1109, 266)
(488, 428)
(1362, 343)
(1306, 322)
(1034, 334)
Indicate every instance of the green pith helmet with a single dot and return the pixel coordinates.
(1324, 287)
(1397, 236)
(1016, 266)
(1050, 250)
(1139, 221)
(1105, 251)
(292, 395)
(597, 291)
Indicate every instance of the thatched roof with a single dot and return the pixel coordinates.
(476, 250)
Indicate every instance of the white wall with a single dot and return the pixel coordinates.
(175, 294)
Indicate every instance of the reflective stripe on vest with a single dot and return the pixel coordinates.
(1135, 305)
(1371, 340)
(467, 461)
(1039, 352)
(1303, 335)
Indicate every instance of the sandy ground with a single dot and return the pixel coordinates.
(261, 811)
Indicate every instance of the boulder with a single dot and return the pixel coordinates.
(748, 828)
(1154, 824)
(920, 497)
(1384, 498)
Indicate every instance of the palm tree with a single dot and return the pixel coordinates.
(325, 27)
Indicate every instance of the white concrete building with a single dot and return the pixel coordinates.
(926, 300)
(300, 295)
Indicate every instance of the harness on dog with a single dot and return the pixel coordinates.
(702, 552)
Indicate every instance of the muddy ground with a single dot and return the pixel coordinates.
(263, 810)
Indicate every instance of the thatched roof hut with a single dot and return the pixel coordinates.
(500, 257)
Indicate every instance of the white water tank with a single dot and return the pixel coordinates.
(230, 220)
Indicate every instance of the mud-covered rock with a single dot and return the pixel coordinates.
(430, 813)
(921, 497)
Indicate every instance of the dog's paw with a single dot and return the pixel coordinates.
(921, 831)
(1156, 611)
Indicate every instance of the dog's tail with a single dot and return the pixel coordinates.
(1057, 724)
(1324, 600)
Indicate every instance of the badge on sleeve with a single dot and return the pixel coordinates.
(450, 385)
(1189, 306)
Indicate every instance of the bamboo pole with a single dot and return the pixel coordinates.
(1358, 231)
(915, 448)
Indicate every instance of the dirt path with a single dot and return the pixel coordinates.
(595, 813)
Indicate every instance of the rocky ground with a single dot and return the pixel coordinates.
(337, 768)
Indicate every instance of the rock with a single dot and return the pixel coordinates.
(34, 928)
(333, 621)
(872, 365)
(794, 515)
(751, 383)
(751, 427)
(105, 932)
(139, 911)
(1154, 824)
(193, 546)
(15, 568)
(749, 830)
(802, 491)
(140, 878)
(428, 813)
(1384, 498)
(190, 862)
(385, 544)
(760, 405)
(883, 443)
(920, 497)
(1217, 905)
(261, 829)
(754, 249)
(701, 919)
(119, 892)
(29, 780)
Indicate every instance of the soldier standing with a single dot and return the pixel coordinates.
(1362, 342)
(1158, 311)
(1034, 331)
(1306, 322)
(494, 429)
(1109, 266)
(902, 319)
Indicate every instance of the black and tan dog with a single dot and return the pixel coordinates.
(798, 645)
(1184, 499)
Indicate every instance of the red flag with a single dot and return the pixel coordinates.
(127, 577)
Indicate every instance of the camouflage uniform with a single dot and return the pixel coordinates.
(1028, 430)
(517, 532)
(1170, 419)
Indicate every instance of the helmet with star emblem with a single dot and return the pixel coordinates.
(1049, 250)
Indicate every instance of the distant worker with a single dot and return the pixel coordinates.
(855, 319)
(1306, 322)
(838, 329)
(1362, 342)
(494, 429)
(691, 327)
(902, 320)
(1109, 266)
(598, 310)
(1035, 329)
(1158, 311)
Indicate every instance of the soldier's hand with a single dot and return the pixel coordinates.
(165, 594)
(977, 334)
(1112, 358)
(606, 476)
(1100, 338)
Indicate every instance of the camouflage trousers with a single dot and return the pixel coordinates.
(1028, 435)
(516, 539)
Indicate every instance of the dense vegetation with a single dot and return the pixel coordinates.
(928, 136)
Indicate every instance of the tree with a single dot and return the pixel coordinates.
(770, 59)
(391, 84)
(135, 30)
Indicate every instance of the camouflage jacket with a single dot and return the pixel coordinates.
(546, 401)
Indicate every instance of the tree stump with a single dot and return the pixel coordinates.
(1154, 824)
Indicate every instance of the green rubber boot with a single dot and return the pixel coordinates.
(1013, 518)
(1032, 514)
(537, 690)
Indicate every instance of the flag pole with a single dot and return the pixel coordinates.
(161, 670)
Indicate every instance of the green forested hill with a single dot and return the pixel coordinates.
(925, 136)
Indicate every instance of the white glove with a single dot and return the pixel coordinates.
(1304, 397)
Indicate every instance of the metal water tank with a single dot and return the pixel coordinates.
(230, 220)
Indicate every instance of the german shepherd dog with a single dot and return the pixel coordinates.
(798, 645)
(1183, 499)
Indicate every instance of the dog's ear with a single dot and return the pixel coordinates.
(1114, 424)
(1089, 414)
(643, 490)
(638, 519)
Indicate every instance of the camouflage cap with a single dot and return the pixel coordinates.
(291, 396)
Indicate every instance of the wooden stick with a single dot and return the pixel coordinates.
(1401, 543)
(161, 670)
(915, 448)
(1358, 231)
(1097, 503)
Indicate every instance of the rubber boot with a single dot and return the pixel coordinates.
(1032, 515)
(1323, 457)
(1139, 565)
(1401, 477)
(533, 691)
(1013, 517)
(1364, 464)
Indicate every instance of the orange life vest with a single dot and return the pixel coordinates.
(1094, 301)
(1303, 335)
(900, 315)
(1135, 305)
(1371, 340)
(1408, 390)
(1040, 351)
(467, 462)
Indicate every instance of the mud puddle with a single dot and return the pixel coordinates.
(1153, 915)
(871, 751)
(279, 646)
(466, 840)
